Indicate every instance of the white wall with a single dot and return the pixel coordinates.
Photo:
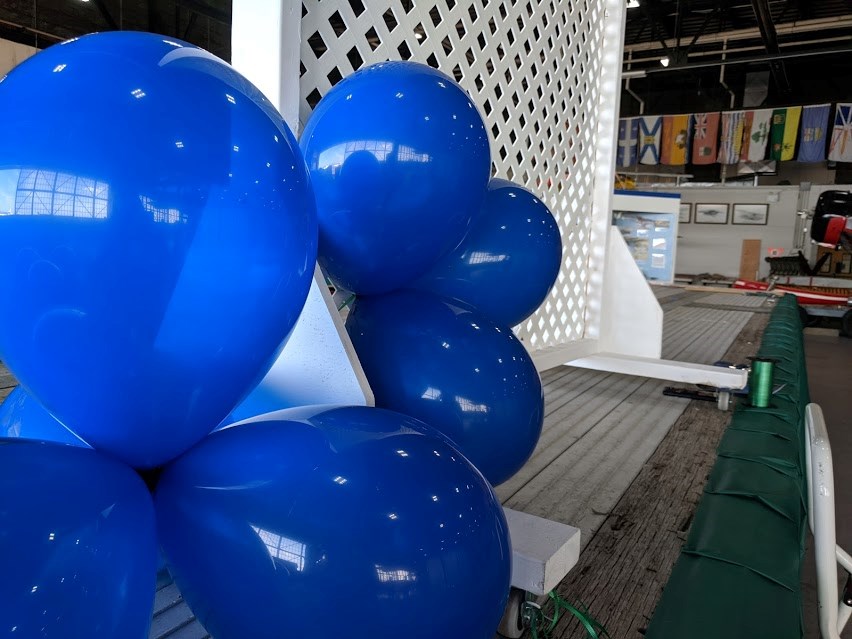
(12, 54)
(716, 248)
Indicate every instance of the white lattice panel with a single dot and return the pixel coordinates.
(533, 67)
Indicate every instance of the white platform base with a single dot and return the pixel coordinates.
(684, 372)
(543, 551)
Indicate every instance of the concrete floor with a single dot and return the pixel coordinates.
(829, 361)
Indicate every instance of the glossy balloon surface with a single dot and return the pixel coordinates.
(347, 522)
(453, 369)
(23, 417)
(399, 159)
(507, 263)
(157, 238)
(78, 545)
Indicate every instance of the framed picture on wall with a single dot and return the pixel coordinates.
(711, 213)
(751, 214)
(685, 213)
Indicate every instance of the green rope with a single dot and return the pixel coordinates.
(346, 302)
(542, 626)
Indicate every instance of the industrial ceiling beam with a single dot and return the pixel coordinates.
(649, 16)
(770, 41)
(206, 10)
(745, 60)
(727, 51)
(105, 14)
(703, 27)
(790, 28)
(189, 25)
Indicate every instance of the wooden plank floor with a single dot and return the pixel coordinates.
(7, 382)
(623, 569)
(600, 428)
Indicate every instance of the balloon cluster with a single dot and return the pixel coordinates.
(158, 235)
(443, 261)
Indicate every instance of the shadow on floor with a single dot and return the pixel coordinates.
(829, 361)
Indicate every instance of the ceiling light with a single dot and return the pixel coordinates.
(664, 61)
(632, 4)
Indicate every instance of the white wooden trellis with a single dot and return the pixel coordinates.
(535, 70)
(545, 74)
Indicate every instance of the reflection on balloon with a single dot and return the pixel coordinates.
(149, 272)
(399, 159)
(265, 521)
(508, 262)
(77, 544)
(22, 417)
(456, 371)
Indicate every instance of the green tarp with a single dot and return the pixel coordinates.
(739, 571)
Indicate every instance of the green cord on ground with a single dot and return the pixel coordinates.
(542, 626)
(346, 302)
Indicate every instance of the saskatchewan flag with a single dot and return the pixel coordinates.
(785, 130)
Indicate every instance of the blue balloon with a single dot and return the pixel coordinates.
(399, 158)
(453, 369)
(354, 520)
(22, 417)
(507, 264)
(78, 545)
(157, 238)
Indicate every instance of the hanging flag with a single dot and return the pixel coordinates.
(841, 136)
(814, 131)
(785, 130)
(731, 138)
(628, 135)
(706, 137)
(755, 135)
(650, 128)
(675, 140)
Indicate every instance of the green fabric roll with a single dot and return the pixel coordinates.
(738, 574)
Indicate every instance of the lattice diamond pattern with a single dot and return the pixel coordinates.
(531, 66)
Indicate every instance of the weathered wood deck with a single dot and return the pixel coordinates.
(600, 428)
(625, 566)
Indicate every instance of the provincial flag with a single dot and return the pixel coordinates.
(675, 140)
(841, 136)
(706, 137)
(628, 137)
(650, 129)
(731, 138)
(755, 135)
(814, 132)
(785, 130)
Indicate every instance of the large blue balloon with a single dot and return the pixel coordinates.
(23, 417)
(352, 520)
(157, 242)
(453, 369)
(78, 545)
(400, 160)
(507, 264)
